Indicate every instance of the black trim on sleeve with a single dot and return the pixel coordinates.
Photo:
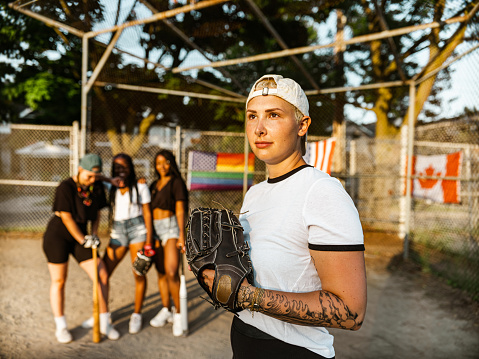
(337, 248)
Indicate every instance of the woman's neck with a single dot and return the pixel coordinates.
(165, 179)
(289, 164)
(76, 179)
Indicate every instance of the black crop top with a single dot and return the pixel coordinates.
(68, 200)
(172, 192)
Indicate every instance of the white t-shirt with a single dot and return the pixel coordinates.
(126, 210)
(283, 218)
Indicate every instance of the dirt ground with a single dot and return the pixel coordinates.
(410, 314)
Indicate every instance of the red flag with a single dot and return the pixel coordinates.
(320, 154)
(436, 189)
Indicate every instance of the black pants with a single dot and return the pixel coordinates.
(263, 346)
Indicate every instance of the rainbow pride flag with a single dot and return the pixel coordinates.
(216, 171)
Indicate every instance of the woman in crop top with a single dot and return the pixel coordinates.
(169, 206)
(131, 229)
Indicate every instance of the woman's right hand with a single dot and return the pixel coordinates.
(118, 182)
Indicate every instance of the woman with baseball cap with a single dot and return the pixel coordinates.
(78, 201)
(305, 236)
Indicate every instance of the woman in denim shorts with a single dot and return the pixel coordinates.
(169, 203)
(131, 228)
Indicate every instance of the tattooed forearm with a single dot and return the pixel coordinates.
(323, 308)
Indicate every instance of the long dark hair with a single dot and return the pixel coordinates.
(174, 172)
(131, 180)
(169, 156)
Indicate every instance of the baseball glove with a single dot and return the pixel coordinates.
(215, 241)
(143, 260)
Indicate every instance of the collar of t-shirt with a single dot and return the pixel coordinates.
(288, 174)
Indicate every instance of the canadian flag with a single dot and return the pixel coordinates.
(437, 190)
(320, 154)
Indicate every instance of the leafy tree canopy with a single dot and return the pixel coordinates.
(51, 86)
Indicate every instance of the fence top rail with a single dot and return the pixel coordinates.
(220, 133)
(445, 144)
(39, 127)
(28, 183)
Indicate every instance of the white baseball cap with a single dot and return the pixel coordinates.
(287, 89)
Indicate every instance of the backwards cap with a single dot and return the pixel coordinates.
(91, 162)
(287, 89)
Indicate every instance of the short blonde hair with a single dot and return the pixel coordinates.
(270, 83)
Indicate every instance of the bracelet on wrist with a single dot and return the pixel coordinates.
(255, 301)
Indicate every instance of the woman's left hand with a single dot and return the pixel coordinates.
(208, 276)
(180, 244)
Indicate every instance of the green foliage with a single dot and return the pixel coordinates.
(41, 88)
(229, 31)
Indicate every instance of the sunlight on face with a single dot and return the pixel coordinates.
(272, 129)
(162, 166)
(86, 178)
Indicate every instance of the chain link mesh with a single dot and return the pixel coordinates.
(33, 160)
(444, 237)
(132, 111)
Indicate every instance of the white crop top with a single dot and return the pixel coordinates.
(126, 210)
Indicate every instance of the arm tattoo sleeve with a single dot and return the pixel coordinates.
(329, 310)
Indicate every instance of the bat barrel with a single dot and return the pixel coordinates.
(183, 299)
(96, 309)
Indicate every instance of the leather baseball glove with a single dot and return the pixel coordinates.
(215, 241)
(143, 260)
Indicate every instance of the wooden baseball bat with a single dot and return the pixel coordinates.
(96, 304)
(183, 298)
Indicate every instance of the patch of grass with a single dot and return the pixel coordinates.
(460, 270)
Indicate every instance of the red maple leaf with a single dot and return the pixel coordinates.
(428, 183)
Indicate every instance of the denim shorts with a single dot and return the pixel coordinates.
(128, 231)
(166, 228)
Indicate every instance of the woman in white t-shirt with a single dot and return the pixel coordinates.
(131, 227)
(305, 237)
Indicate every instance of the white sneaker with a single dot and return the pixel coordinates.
(135, 323)
(110, 332)
(107, 328)
(177, 327)
(164, 316)
(87, 324)
(63, 336)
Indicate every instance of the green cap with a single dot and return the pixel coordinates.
(91, 162)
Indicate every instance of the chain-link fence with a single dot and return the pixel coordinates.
(142, 97)
(445, 233)
(443, 236)
(33, 160)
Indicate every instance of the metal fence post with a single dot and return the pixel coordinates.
(246, 167)
(352, 171)
(403, 160)
(410, 152)
(84, 95)
(74, 148)
(178, 145)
